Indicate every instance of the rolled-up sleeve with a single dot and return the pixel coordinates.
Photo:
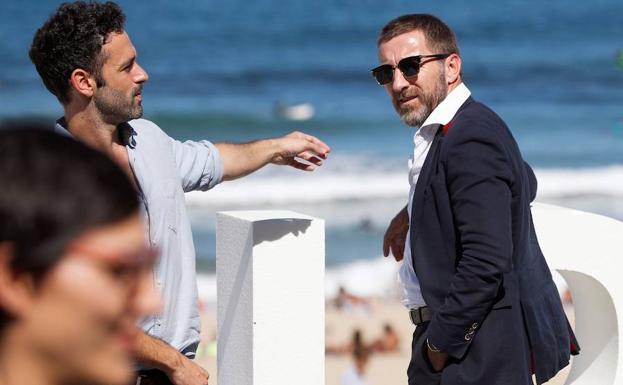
(199, 164)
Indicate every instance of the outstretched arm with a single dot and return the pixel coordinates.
(242, 159)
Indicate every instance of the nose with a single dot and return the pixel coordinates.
(399, 82)
(141, 75)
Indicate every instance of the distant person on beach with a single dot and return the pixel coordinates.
(348, 301)
(356, 373)
(475, 282)
(388, 342)
(75, 265)
(86, 59)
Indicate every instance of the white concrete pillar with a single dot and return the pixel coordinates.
(587, 250)
(270, 298)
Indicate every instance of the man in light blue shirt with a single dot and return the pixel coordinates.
(86, 59)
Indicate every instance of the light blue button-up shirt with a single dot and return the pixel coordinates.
(165, 169)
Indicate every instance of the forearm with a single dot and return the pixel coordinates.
(152, 352)
(242, 159)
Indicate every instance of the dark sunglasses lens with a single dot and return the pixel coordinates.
(383, 74)
(409, 66)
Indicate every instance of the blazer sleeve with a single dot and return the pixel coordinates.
(479, 179)
(532, 180)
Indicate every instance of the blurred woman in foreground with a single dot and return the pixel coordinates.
(75, 268)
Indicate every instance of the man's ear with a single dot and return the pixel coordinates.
(83, 82)
(16, 290)
(453, 69)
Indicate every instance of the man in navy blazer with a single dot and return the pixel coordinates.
(475, 281)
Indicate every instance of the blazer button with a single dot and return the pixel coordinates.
(474, 325)
(468, 337)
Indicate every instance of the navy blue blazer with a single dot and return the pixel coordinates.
(495, 307)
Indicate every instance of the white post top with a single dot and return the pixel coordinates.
(270, 285)
(265, 215)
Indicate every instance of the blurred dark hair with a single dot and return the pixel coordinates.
(54, 189)
(439, 37)
(72, 38)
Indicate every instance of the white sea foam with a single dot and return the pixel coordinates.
(356, 184)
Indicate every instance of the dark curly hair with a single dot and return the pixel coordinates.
(72, 38)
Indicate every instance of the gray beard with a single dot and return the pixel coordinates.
(416, 117)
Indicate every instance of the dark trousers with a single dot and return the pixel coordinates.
(420, 371)
(153, 377)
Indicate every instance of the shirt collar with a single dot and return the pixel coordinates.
(445, 111)
(128, 133)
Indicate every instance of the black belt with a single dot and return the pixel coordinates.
(420, 315)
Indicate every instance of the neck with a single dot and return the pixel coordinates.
(86, 124)
(455, 84)
(21, 363)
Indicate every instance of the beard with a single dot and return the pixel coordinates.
(415, 116)
(116, 107)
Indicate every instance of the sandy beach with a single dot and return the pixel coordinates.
(382, 369)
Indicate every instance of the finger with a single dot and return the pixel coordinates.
(397, 249)
(312, 158)
(399, 253)
(317, 142)
(392, 246)
(300, 165)
(385, 245)
(309, 154)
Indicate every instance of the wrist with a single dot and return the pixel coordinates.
(171, 362)
(274, 149)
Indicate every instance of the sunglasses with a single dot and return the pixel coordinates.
(409, 66)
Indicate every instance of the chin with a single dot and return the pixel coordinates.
(110, 367)
(116, 373)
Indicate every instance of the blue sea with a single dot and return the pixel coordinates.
(218, 69)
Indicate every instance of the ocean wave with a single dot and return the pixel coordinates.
(358, 185)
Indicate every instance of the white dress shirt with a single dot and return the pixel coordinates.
(423, 139)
